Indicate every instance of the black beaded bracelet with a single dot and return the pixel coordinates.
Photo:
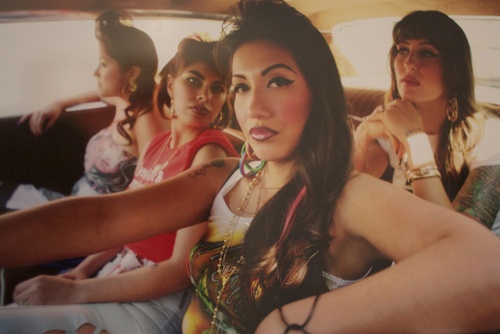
(297, 327)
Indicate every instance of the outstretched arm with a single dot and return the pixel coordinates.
(446, 277)
(79, 226)
(43, 119)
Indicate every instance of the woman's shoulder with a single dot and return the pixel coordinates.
(364, 193)
(487, 151)
(215, 173)
(217, 139)
(219, 167)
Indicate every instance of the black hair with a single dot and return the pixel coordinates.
(130, 47)
(277, 271)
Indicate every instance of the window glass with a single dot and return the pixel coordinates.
(46, 60)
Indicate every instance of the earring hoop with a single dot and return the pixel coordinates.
(246, 157)
(133, 86)
(215, 124)
(452, 110)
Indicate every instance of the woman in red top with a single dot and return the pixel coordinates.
(197, 114)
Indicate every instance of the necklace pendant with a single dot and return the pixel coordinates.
(225, 279)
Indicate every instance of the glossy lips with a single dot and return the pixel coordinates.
(262, 133)
(202, 111)
(410, 81)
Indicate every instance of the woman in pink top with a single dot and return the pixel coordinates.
(125, 78)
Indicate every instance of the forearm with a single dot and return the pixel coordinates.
(145, 283)
(52, 232)
(432, 190)
(78, 99)
(436, 290)
(421, 157)
(79, 226)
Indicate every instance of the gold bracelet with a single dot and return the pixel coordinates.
(422, 173)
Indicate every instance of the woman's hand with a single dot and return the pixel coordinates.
(395, 120)
(74, 274)
(400, 118)
(41, 120)
(46, 290)
(371, 128)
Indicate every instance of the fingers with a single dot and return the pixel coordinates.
(401, 152)
(69, 276)
(36, 123)
(21, 294)
(48, 123)
(396, 144)
(39, 121)
(375, 127)
(23, 119)
(376, 115)
(25, 292)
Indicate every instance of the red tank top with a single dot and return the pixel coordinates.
(160, 163)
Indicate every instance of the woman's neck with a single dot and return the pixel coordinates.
(276, 174)
(120, 106)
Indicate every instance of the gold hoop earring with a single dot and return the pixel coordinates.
(133, 86)
(452, 110)
(217, 121)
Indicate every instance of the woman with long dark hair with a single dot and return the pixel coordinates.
(293, 232)
(451, 157)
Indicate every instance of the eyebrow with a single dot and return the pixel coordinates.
(198, 74)
(267, 70)
(272, 67)
(425, 42)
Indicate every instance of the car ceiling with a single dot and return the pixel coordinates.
(324, 13)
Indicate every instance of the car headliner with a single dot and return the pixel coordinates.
(324, 13)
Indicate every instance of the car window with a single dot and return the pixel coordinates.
(46, 60)
(368, 56)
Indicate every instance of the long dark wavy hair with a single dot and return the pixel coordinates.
(279, 269)
(191, 50)
(460, 137)
(130, 47)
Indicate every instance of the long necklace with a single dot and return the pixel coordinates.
(157, 168)
(227, 269)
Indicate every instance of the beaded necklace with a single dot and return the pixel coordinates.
(227, 269)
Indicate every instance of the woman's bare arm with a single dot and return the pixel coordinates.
(446, 279)
(479, 197)
(81, 226)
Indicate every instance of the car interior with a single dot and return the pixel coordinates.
(29, 159)
(358, 32)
